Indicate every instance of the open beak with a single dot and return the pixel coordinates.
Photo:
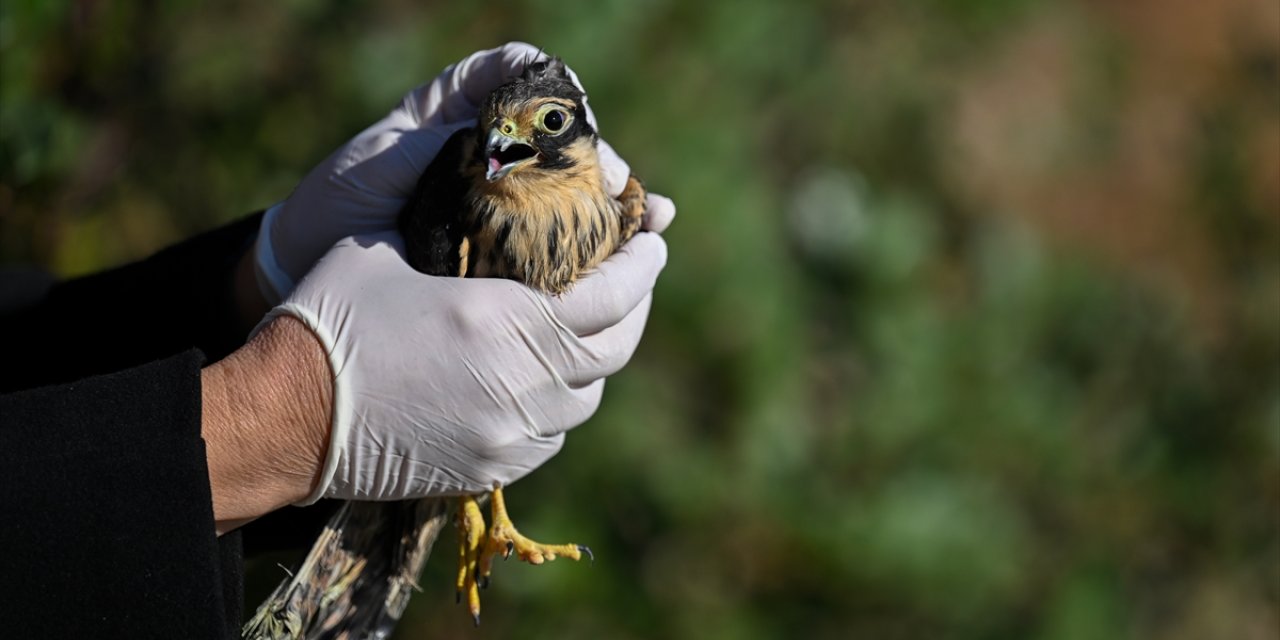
(503, 153)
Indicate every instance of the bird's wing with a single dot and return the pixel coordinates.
(433, 221)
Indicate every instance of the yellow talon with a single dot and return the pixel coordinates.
(506, 539)
(470, 537)
(476, 551)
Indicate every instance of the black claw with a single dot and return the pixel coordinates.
(483, 582)
(582, 548)
(477, 619)
(511, 547)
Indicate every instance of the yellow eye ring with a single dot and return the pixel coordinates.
(553, 119)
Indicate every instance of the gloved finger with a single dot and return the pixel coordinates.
(614, 168)
(457, 93)
(392, 240)
(603, 354)
(658, 214)
(384, 168)
(604, 297)
(580, 405)
(517, 55)
(507, 462)
(591, 115)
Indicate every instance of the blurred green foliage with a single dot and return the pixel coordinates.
(971, 326)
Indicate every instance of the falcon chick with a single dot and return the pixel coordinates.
(521, 196)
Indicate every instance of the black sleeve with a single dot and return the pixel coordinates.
(106, 519)
(182, 297)
(104, 496)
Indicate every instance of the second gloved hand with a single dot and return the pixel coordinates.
(444, 386)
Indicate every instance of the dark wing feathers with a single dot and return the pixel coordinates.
(432, 221)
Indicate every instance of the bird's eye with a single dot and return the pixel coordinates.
(554, 120)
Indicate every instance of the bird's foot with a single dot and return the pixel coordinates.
(476, 551)
(504, 538)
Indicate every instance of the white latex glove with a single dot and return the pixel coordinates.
(445, 386)
(362, 186)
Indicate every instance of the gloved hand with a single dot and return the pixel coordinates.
(445, 386)
(362, 186)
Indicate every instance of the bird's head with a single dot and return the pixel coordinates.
(536, 121)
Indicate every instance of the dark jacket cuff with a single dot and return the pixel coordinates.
(108, 517)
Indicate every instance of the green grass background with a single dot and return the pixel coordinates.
(971, 326)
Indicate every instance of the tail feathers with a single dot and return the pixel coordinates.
(356, 580)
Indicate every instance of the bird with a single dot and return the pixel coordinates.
(531, 204)
(521, 195)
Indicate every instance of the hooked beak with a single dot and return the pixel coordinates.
(503, 153)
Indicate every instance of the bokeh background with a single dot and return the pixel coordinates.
(971, 327)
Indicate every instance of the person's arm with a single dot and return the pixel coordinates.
(111, 487)
(265, 422)
(191, 294)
